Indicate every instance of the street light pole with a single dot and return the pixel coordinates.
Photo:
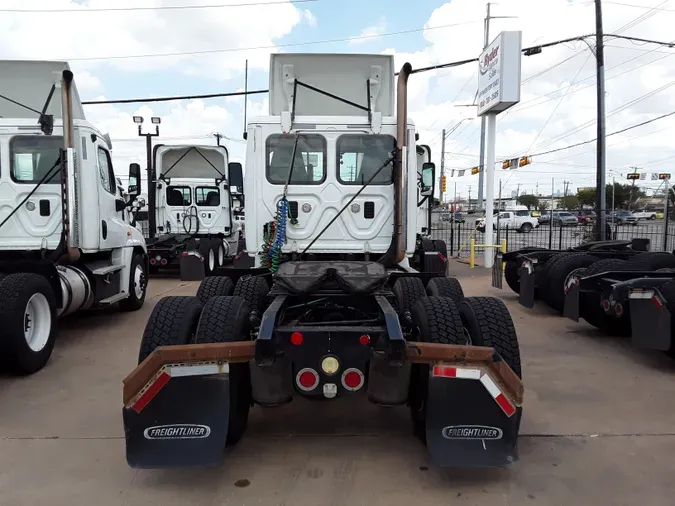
(152, 219)
(600, 203)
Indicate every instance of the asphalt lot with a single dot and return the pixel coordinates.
(598, 429)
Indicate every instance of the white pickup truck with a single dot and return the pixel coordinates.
(645, 215)
(522, 221)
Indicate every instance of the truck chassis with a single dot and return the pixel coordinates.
(323, 330)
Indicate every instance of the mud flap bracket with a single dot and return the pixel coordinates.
(192, 266)
(527, 282)
(180, 418)
(470, 421)
(571, 308)
(650, 320)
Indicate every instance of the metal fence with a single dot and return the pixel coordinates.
(457, 236)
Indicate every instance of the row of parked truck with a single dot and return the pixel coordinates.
(618, 287)
(347, 293)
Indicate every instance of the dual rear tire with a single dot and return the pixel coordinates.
(213, 316)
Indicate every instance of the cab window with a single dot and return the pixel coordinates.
(309, 166)
(207, 196)
(106, 171)
(32, 157)
(523, 213)
(359, 157)
(179, 196)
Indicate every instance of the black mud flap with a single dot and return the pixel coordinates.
(571, 308)
(192, 267)
(497, 271)
(527, 285)
(184, 425)
(470, 424)
(650, 320)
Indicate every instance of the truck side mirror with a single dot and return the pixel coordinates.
(428, 179)
(134, 180)
(236, 175)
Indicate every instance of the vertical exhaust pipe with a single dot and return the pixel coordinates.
(396, 252)
(72, 253)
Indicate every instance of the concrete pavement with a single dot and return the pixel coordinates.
(598, 428)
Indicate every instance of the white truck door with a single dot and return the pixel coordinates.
(113, 227)
(213, 206)
(26, 161)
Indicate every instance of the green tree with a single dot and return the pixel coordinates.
(586, 197)
(569, 202)
(529, 201)
(543, 205)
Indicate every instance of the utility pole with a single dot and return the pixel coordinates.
(469, 196)
(517, 192)
(440, 195)
(218, 136)
(632, 186)
(600, 146)
(483, 119)
(537, 190)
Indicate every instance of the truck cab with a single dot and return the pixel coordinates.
(327, 163)
(65, 241)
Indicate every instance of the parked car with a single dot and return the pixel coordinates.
(622, 218)
(511, 220)
(544, 218)
(586, 216)
(564, 219)
(643, 214)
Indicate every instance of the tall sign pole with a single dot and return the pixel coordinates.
(481, 160)
(440, 195)
(498, 89)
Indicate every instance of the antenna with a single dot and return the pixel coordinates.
(245, 97)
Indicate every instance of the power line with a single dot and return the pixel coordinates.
(639, 6)
(274, 46)
(168, 99)
(157, 8)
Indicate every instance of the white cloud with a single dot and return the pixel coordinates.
(140, 32)
(309, 17)
(369, 32)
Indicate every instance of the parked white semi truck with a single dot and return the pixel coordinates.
(65, 244)
(192, 194)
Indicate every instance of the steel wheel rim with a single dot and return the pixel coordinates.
(37, 322)
(212, 260)
(139, 282)
(221, 255)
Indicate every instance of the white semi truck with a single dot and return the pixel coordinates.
(193, 193)
(65, 244)
(349, 296)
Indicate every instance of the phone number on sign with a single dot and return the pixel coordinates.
(491, 98)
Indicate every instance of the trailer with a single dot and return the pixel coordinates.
(65, 242)
(192, 194)
(348, 295)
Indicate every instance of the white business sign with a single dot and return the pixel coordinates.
(499, 73)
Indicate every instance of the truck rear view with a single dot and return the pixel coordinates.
(349, 296)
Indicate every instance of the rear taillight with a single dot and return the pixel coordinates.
(307, 379)
(352, 379)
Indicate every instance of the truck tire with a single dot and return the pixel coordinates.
(254, 290)
(408, 290)
(590, 308)
(214, 286)
(651, 261)
(28, 322)
(512, 275)
(438, 321)
(445, 287)
(557, 273)
(488, 322)
(173, 322)
(227, 320)
(526, 228)
(138, 284)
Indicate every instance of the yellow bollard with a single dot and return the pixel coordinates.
(472, 253)
(503, 251)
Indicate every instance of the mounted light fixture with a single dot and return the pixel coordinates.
(155, 120)
(138, 119)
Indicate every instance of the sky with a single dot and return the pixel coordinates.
(144, 49)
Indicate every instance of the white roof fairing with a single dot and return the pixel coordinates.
(29, 83)
(182, 161)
